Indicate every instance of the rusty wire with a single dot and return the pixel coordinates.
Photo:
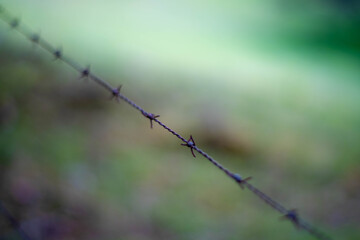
(85, 72)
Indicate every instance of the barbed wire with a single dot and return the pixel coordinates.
(85, 72)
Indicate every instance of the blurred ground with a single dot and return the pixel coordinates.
(269, 88)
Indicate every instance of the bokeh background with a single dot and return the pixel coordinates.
(270, 88)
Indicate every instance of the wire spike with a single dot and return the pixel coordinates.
(14, 23)
(86, 72)
(150, 116)
(115, 93)
(240, 180)
(58, 53)
(35, 38)
(293, 216)
(191, 144)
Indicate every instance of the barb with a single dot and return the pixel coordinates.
(191, 144)
(293, 217)
(150, 116)
(85, 72)
(241, 180)
(35, 38)
(115, 93)
(14, 23)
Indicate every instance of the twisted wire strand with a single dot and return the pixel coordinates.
(85, 72)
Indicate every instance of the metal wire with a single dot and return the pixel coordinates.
(290, 215)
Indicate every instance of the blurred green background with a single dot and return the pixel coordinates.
(270, 88)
